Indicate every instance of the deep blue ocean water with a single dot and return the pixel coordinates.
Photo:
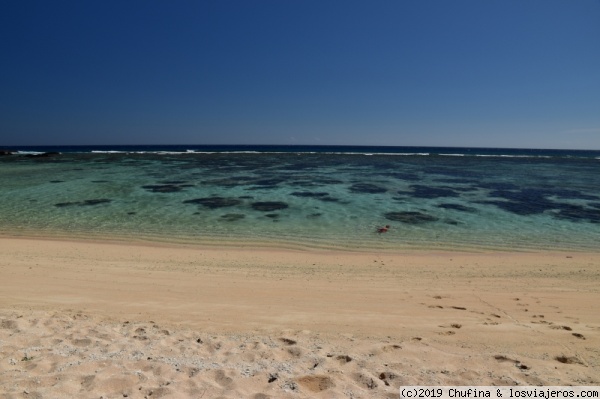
(307, 196)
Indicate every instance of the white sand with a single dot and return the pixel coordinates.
(84, 319)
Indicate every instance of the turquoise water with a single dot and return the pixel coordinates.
(315, 197)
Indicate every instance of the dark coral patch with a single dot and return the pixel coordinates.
(570, 194)
(261, 188)
(90, 202)
(421, 191)
(299, 166)
(498, 186)
(410, 217)
(328, 199)
(232, 217)
(578, 213)
(531, 201)
(304, 184)
(174, 182)
(533, 194)
(326, 180)
(402, 176)
(453, 173)
(540, 205)
(233, 181)
(465, 189)
(269, 182)
(95, 202)
(308, 194)
(65, 204)
(269, 206)
(518, 208)
(312, 181)
(456, 181)
(457, 207)
(214, 202)
(163, 188)
(523, 202)
(367, 188)
(317, 195)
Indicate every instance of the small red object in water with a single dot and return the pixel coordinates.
(383, 229)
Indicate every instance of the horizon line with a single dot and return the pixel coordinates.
(295, 145)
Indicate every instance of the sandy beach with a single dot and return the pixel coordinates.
(112, 320)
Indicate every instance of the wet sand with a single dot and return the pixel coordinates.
(129, 320)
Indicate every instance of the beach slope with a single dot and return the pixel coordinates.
(134, 320)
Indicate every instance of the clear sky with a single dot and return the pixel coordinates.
(496, 73)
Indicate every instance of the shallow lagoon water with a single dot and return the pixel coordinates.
(315, 197)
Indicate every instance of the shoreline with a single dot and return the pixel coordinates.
(285, 245)
(424, 318)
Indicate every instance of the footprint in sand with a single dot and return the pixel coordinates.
(517, 363)
(555, 327)
(288, 341)
(222, 379)
(365, 380)
(8, 324)
(316, 383)
(87, 382)
(453, 325)
(490, 323)
(295, 352)
(81, 342)
(447, 333)
(568, 359)
(391, 348)
(343, 359)
(387, 377)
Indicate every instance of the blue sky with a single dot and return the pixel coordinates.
(494, 73)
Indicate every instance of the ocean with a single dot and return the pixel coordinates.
(313, 197)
